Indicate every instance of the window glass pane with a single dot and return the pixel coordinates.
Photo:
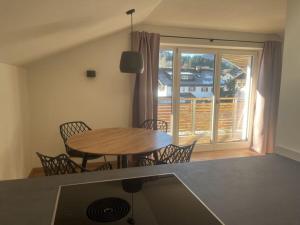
(196, 95)
(235, 86)
(165, 87)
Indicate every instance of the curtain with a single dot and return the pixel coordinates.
(267, 98)
(146, 83)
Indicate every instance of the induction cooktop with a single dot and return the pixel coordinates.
(150, 200)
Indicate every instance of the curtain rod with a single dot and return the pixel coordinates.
(211, 39)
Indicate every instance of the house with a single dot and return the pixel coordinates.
(199, 81)
(199, 85)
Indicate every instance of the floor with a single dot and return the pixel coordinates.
(223, 154)
(197, 156)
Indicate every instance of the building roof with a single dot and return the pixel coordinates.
(193, 79)
(241, 76)
(187, 95)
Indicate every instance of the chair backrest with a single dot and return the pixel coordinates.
(177, 154)
(60, 164)
(153, 124)
(70, 128)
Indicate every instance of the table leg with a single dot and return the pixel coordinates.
(119, 162)
(124, 161)
(134, 160)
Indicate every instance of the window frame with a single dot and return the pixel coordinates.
(218, 52)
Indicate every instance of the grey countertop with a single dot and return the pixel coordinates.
(245, 191)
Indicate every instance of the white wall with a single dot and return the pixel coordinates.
(13, 122)
(59, 90)
(288, 133)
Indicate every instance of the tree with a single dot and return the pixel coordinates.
(229, 89)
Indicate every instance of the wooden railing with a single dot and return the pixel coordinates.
(195, 115)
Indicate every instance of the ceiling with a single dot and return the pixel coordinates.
(33, 29)
(258, 16)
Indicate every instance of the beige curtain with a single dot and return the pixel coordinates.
(146, 83)
(267, 99)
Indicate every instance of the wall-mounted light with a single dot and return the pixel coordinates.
(91, 73)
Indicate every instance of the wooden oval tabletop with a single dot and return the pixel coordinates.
(119, 141)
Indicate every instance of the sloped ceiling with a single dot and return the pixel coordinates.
(32, 29)
(255, 16)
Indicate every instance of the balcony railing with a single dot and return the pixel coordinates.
(195, 118)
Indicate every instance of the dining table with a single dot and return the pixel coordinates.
(120, 142)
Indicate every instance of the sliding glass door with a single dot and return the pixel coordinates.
(195, 110)
(165, 87)
(233, 104)
(207, 94)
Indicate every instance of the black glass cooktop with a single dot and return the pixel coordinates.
(152, 200)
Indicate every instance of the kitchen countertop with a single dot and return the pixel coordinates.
(260, 190)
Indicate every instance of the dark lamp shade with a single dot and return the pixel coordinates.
(131, 62)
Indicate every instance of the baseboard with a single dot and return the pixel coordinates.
(287, 152)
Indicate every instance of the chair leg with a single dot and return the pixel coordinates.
(104, 158)
(155, 155)
(84, 161)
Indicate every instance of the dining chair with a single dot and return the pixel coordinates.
(170, 154)
(154, 124)
(69, 129)
(62, 164)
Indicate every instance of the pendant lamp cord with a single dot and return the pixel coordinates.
(130, 12)
(131, 33)
(131, 220)
(132, 205)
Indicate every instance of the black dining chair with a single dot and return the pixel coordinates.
(69, 129)
(154, 124)
(62, 164)
(169, 155)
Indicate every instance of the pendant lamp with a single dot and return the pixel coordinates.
(131, 61)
